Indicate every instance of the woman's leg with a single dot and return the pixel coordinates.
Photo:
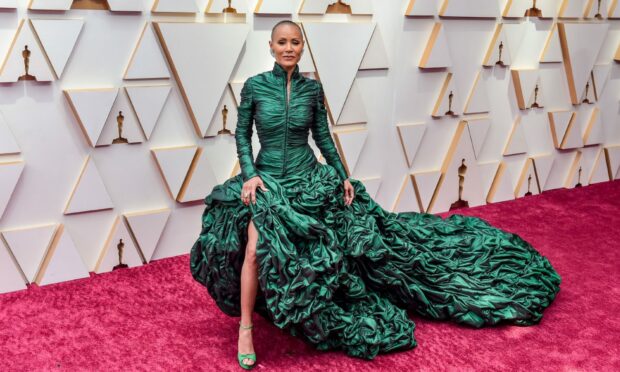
(249, 286)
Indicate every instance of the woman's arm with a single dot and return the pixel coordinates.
(322, 137)
(243, 133)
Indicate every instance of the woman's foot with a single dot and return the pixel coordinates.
(245, 345)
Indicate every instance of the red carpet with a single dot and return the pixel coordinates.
(157, 318)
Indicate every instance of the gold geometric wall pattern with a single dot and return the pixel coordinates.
(273, 7)
(580, 43)
(572, 9)
(552, 51)
(410, 136)
(28, 246)
(469, 9)
(89, 192)
(596, 9)
(371, 185)
(600, 77)
(528, 89)
(543, 163)
(125, 5)
(516, 143)
(58, 38)
(350, 144)
(599, 169)
(521, 8)
(224, 121)
(122, 125)
(119, 249)
(592, 129)
(478, 128)
(202, 75)
(62, 261)
(26, 58)
(574, 176)
(148, 102)
(501, 187)
(614, 10)
(50, 4)
(12, 279)
(376, 56)
(173, 164)
(417, 192)
(221, 6)
(147, 60)
(354, 109)
(584, 168)
(612, 156)
(8, 144)
(565, 131)
(174, 7)
(528, 182)
(477, 101)
(421, 8)
(146, 228)
(200, 179)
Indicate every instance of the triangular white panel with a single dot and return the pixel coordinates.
(516, 143)
(575, 171)
(89, 192)
(477, 101)
(372, 185)
(421, 8)
(613, 156)
(614, 10)
(200, 179)
(8, 145)
(236, 87)
(407, 200)
(147, 228)
(226, 150)
(14, 65)
(425, 185)
(119, 242)
(62, 261)
(500, 187)
(524, 83)
(592, 131)
(202, 74)
(376, 55)
(50, 4)
(448, 99)
(553, 50)
(437, 52)
(354, 110)
(174, 6)
(10, 278)
(273, 7)
(173, 163)
(125, 5)
(91, 108)
(460, 153)
(581, 43)
(148, 103)
(306, 66)
(240, 6)
(217, 123)
(130, 127)
(469, 9)
(351, 143)
(572, 137)
(58, 37)
(478, 129)
(9, 174)
(599, 169)
(562, 124)
(596, 9)
(543, 164)
(29, 246)
(410, 138)
(337, 50)
(499, 41)
(572, 8)
(359, 7)
(147, 60)
(601, 74)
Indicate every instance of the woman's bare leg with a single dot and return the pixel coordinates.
(249, 286)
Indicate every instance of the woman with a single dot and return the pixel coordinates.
(308, 248)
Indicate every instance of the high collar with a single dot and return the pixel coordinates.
(281, 72)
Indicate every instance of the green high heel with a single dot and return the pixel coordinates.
(241, 357)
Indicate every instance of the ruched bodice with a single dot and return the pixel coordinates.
(283, 126)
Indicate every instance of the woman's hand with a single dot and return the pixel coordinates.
(248, 193)
(348, 192)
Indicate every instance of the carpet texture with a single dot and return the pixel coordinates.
(156, 317)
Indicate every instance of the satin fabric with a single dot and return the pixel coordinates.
(343, 277)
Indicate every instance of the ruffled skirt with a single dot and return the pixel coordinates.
(344, 276)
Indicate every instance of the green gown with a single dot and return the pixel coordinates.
(344, 276)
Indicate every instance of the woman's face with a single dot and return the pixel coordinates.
(287, 45)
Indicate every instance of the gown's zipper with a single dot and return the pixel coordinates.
(286, 96)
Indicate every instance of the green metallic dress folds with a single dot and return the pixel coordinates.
(344, 276)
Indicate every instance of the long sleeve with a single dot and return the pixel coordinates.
(322, 136)
(243, 133)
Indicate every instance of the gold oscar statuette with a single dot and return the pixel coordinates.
(119, 122)
(120, 246)
(229, 8)
(579, 178)
(450, 112)
(499, 59)
(529, 185)
(461, 203)
(586, 100)
(26, 56)
(224, 116)
(338, 8)
(535, 104)
(598, 14)
(533, 11)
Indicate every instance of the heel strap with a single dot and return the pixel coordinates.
(245, 327)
